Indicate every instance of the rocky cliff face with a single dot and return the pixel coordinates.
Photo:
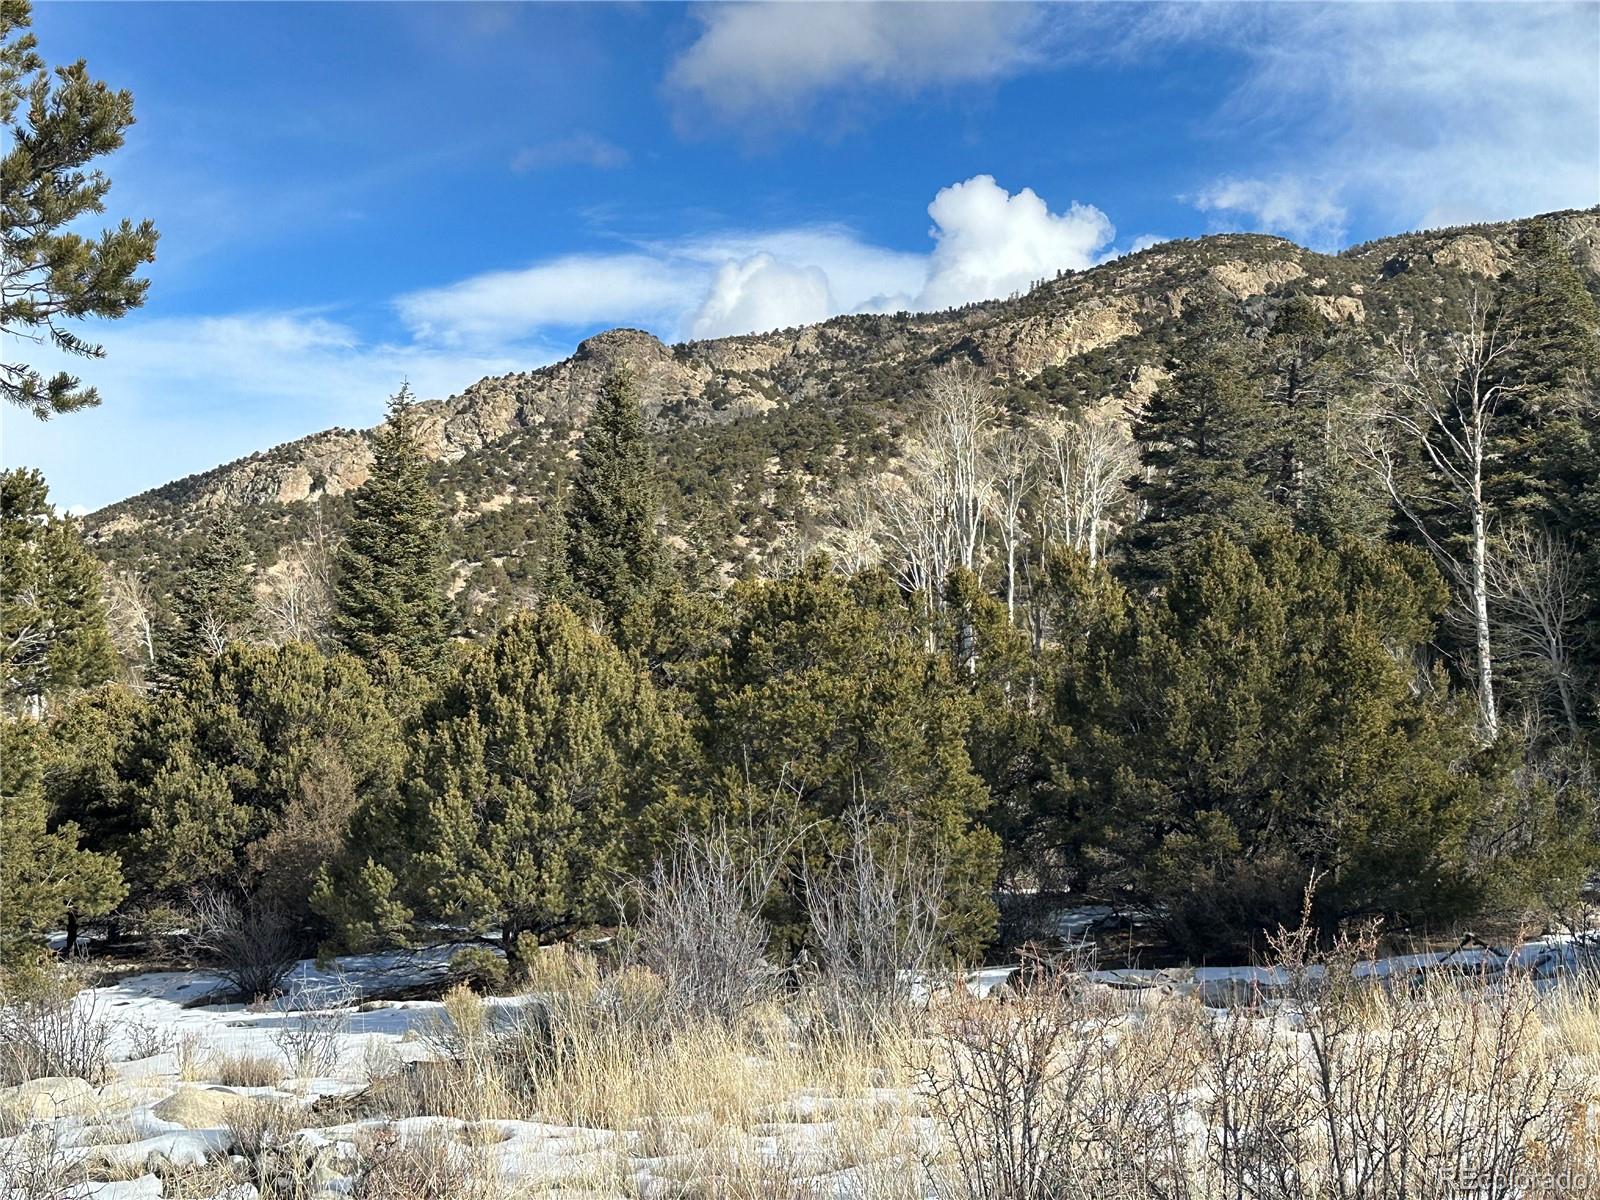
(505, 437)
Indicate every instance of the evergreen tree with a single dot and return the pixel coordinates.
(614, 552)
(53, 637)
(211, 602)
(389, 588)
(246, 744)
(524, 779)
(827, 700)
(1296, 741)
(1546, 461)
(46, 880)
(88, 737)
(1205, 443)
(1312, 465)
(54, 132)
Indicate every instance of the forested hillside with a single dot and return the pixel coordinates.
(1221, 575)
(760, 439)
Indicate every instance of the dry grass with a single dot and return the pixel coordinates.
(426, 1164)
(1342, 1089)
(244, 1070)
(50, 1026)
(1346, 1091)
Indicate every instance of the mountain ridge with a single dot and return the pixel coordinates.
(1106, 323)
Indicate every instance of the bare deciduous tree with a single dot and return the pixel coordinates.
(1445, 402)
(1014, 455)
(131, 615)
(1089, 457)
(1535, 596)
(297, 604)
(935, 513)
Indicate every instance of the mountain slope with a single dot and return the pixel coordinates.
(758, 432)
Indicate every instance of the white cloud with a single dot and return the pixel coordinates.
(991, 243)
(578, 150)
(566, 292)
(1418, 114)
(1303, 209)
(762, 293)
(772, 62)
(987, 243)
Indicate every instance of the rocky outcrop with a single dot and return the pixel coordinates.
(1245, 279)
(1026, 347)
(1341, 310)
(1474, 255)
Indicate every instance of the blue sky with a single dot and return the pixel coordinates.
(354, 194)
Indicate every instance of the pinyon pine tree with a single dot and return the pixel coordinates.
(524, 778)
(53, 637)
(53, 133)
(389, 590)
(46, 880)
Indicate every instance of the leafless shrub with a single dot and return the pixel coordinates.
(145, 1038)
(698, 925)
(39, 1164)
(1434, 1090)
(428, 1164)
(252, 944)
(312, 1019)
(55, 1028)
(1002, 1084)
(875, 913)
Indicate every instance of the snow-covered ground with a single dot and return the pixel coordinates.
(168, 1101)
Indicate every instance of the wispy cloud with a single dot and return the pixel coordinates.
(578, 150)
(1417, 114)
(771, 64)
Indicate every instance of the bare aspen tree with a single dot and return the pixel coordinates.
(1535, 591)
(1090, 456)
(1015, 460)
(131, 616)
(961, 410)
(855, 540)
(298, 603)
(936, 509)
(1445, 405)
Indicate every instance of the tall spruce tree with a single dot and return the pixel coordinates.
(55, 129)
(1313, 467)
(614, 552)
(389, 587)
(53, 637)
(212, 604)
(1547, 470)
(1206, 444)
